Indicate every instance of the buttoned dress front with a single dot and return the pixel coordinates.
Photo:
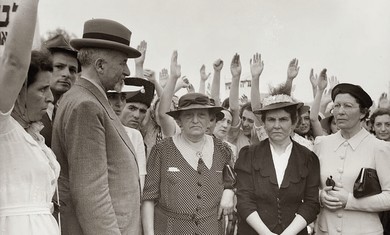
(343, 159)
(28, 179)
(186, 199)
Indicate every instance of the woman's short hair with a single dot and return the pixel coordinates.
(379, 112)
(246, 106)
(40, 61)
(292, 110)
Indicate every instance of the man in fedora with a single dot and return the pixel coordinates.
(99, 181)
(65, 68)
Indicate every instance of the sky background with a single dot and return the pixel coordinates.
(351, 38)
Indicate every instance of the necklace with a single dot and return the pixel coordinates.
(198, 153)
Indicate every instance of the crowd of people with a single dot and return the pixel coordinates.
(87, 149)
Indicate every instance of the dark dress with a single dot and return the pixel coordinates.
(257, 187)
(186, 200)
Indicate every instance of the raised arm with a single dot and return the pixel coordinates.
(292, 72)
(235, 69)
(314, 82)
(203, 79)
(322, 83)
(15, 61)
(257, 66)
(139, 62)
(167, 123)
(151, 76)
(216, 84)
(326, 98)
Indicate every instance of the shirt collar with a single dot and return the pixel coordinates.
(354, 141)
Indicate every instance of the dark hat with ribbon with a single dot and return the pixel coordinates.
(355, 91)
(109, 34)
(146, 95)
(277, 102)
(59, 44)
(192, 101)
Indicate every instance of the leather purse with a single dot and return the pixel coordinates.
(228, 177)
(366, 184)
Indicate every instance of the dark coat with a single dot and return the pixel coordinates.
(257, 187)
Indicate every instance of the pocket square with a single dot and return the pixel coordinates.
(173, 169)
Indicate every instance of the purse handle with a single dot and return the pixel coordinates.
(361, 175)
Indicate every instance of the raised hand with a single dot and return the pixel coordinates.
(175, 71)
(313, 78)
(191, 88)
(322, 81)
(333, 81)
(235, 66)
(150, 75)
(203, 75)
(183, 82)
(256, 65)
(141, 48)
(163, 77)
(293, 69)
(383, 101)
(218, 65)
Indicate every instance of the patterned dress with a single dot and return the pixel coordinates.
(186, 200)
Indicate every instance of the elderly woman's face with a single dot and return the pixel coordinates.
(382, 127)
(194, 122)
(223, 126)
(278, 125)
(39, 96)
(346, 111)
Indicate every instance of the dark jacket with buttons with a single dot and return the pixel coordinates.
(257, 187)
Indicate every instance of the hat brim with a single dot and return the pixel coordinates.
(99, 43)
(130, 91)
(277, 106)
(175, 114)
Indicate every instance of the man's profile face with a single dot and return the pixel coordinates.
(65, 68)
(133, 114)
(115, 68)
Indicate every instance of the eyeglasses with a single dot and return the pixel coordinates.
(345, 106)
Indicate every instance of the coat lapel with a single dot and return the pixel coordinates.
(263, 162)
(104, 102)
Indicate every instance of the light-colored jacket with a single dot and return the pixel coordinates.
(99, 180)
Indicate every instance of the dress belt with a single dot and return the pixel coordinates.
(195, 216)
(28, 209)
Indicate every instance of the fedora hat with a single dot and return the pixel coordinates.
(277, 102)
(192, 101)
(59, 43)
(146, 95)
(108, 34)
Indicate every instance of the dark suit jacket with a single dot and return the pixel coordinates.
(257, 187)
(46, 131)
(99, 180)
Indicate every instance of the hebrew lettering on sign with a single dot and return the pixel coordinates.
(5, 11)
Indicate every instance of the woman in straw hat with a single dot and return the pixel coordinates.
(277, 179)
(28, 168)
(342, 155)
(185, 192)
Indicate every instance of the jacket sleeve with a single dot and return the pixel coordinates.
(88, 170)
(311, 206)
(246, 202)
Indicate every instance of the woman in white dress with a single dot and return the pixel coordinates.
(28, 168)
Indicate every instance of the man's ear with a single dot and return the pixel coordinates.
(99, 65)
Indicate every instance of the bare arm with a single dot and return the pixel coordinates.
(235, 68)
(167, 123)
(322, 83)
(147, 216)
(314, 82)
(203, 79)
(139, 62)
(216, 84)
(151, 76)
(15, 61)
(257, 66)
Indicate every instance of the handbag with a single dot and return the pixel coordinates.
(228, 177)
(367, 183)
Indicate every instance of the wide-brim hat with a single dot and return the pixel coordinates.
(354, 90)
(191, 101)
(58, 43)
(108, 34)
(130, 91)
(146, 95)
(277, 102)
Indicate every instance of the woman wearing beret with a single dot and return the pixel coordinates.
(28, 168)
(184, 190)
(277, 179)
(342, 155)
